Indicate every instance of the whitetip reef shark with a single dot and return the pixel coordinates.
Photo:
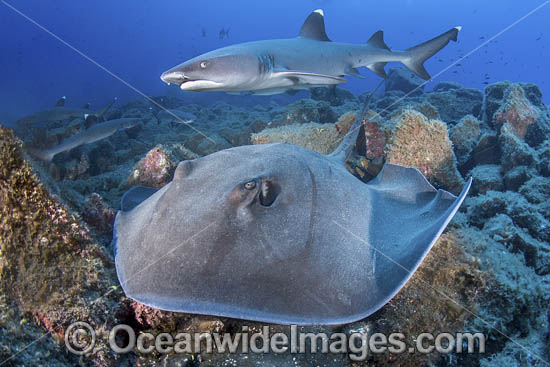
(307, 61)
(60, 112)
(90, 135)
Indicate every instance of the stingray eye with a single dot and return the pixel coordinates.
(203, 64)
(250, 185)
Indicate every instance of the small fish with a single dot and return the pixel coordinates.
(485, 83)
(223, 33)
(203, 31)
(95, 133)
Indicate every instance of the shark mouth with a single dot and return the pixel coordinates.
(185, 83)
(198, 85)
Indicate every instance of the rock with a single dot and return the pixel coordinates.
(454, 104)
(154, 170)
(516, 177)
(446, 86)
(486, 206)
(418, 142)
(465, 135)
(539, 132)
(487, 151)
(486, 178)
(536, 190)
(514, 151)
(424, 108)
(149, 318)
(533, 94)
(49, 266)
(516, 111)
(322, 138)
(75, 168)
(543, 154)
(204, 145)
(236, 137)
(307, 110)
(494, 96)
(404, 80)
(334, 95)
(502, 229)
(525, 216)
(98, 215)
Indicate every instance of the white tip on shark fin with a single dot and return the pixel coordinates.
(320, 11)
(458, 28)
(63, 97)
(86, 116)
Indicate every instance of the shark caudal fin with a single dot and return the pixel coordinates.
(418, 54)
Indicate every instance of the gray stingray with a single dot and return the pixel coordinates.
(309, 60)
(278, 233)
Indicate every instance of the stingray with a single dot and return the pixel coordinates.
(278, 233)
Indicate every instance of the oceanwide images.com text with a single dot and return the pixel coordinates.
(81, 339)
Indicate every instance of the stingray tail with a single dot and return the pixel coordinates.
(417, 55)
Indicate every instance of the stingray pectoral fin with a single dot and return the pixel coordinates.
(302, 77)
(410, 215)
(135, 196)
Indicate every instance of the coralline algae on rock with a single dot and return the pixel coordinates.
(465, 136)
(322, 138)
(158, 165)
(49, 265)
(516, 111)
(416, 141)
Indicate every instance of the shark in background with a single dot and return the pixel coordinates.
(90, 135)
(307, 61)
(59, 113)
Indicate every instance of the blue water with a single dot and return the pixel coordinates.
(137, 40)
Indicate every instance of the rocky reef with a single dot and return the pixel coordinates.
(488, 273)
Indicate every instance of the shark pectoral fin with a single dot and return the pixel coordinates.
(378, 68)
(354, 72)
(135, 196)
(301, 77)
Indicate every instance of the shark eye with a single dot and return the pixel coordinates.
(250, 185)
(203, 64)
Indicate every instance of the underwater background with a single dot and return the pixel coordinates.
(138, 40)
(485, 115)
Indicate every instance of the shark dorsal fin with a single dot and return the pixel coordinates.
(314, 26)
(61, 102)
(377, 40)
